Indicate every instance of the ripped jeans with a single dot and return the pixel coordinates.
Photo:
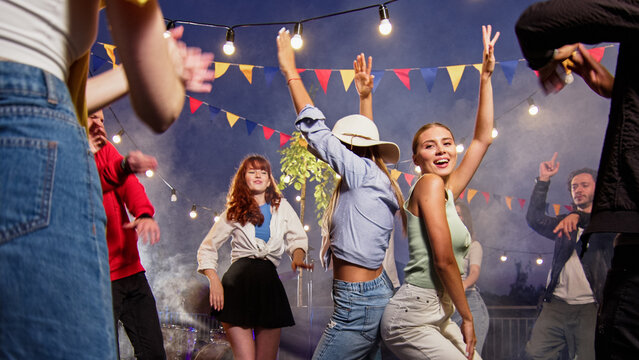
(353, 329)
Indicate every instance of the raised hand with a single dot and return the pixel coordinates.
(363, 78)
(551, 76)
(139, 162)
(488, 62)
(285, 55)
(190, 63)
(598, 78)
(548, 168)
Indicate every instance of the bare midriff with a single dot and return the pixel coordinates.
(346, 271)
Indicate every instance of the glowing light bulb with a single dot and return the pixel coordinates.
(296, 40)
(117, 138)
(495, 133)
(229, 46)
(418, 169)
(503, 258)
(337, 176)
(193, 212)
(307, 228)
(216, 218)
(298, 198)
(532, 108)
(287, 179)
(149, 173)
(385, 26)
(460, 148)
(539, 260)
(173, 195)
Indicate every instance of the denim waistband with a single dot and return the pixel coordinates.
(31, 82)
(381, 280)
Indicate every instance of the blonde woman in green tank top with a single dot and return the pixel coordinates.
(416, 323)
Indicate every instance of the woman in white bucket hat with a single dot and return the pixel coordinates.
(416, 323)
(360, 217)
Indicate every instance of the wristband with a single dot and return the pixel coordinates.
(125, 167)
(291, 79)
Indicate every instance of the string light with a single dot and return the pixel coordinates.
(503, 257)
(173, 195)
(229, 46)
(532, 108)
(460, 148)
(216, 217)
(287, 179)
(418, 169)
(117, 138)
(193, 213)
(337, 176)
(385, 26)
(307, 228)
(298, 198)
(494, 133)
(296, 40)
(539, 260)
(149, 173)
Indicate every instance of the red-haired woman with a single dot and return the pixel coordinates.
(250, 298)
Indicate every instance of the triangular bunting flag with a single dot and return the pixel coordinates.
(110, 53)
(347, 78)
(455, 72)
(402, 74)
(97, 62)
(268, 132)
(247, 70)
(471, 194)
(213, 112)
(284, 138)
(509, 67)
(409, 178)
(478, 67)
(395, 174)
(194, 104)
(269, 74)
(509, 202)
(322, 76)
(597, 53)
(522, 202)
(250, 126)
(568, 207)
(232, 118)
(429, 77)
(220, 68)
(486, 196)
(461, 196)
(377, 77)
(557, 207)
(299, 71)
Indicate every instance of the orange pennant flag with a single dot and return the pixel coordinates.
(347, 79)
(284, 138)
(268, 132)
(220, 68)
(486, 196)
(110, 53)
(232, 118)
(409, 178)
(509, 201)
(395, 174)
(478, 67)
(402, 74)
(471, 194)
(557, 207)
(247, 70)
(194, 104)
(455, 72)
(322, 76)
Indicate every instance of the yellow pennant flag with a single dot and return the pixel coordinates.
(478, 67)
(557, 207)
(509, 202)
(347, 79)
(455, 72)
(395, 174)
(471, 193)
(232, 118)
(220, 68)
(110, 53)
(247, 70)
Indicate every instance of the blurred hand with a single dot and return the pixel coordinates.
(285, 54)
(567, 225)
(147, 229)
(551, 76)
(139, 162)
(598, 78)
(190, 63)
(298, 261)
(363, 78)
(548, 168)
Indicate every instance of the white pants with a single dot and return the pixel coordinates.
(416, 325)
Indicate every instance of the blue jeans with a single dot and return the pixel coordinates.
(353, 329)
(55, 300)
(481, 320)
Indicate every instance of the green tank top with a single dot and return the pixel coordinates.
(420, 270)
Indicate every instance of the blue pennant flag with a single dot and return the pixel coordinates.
(97, 62)
(250, 126)
(214, 111)
(378, 75)
(269, 73)
(429, 77)
(509, 68)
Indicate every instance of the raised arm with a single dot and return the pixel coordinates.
(536, 215)
(286, 58)
(482, 138)
(430, 196)
(364, 84)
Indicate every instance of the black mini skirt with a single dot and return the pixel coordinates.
(254, 296)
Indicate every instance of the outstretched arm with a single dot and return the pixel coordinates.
(482, 137)
(286, 58)
(364, 84)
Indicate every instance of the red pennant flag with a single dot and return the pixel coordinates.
(268, 132)
(284, 138)
(299, 71)
(568, 207)
(522, 202)
(322, 76)
(409, 178)
(486, 196)
(461, 196)
(536, 72)
(597, 53)
(194, 104)
(402, 74)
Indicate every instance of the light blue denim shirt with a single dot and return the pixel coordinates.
(363, 219)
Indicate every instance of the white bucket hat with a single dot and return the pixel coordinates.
(358, 130)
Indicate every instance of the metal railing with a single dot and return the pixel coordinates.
(509, 330)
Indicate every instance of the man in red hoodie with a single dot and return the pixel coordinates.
(133, 301)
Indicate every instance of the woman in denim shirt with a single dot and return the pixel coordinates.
(360, 216)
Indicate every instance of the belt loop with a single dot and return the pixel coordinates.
(52, 96)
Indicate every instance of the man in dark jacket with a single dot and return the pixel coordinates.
(133, 301)
(575, 285)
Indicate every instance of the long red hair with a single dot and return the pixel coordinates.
(242, 206)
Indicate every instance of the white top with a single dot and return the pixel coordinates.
(46, 34)
(573, 286)
(473, 257)
(287, 233)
